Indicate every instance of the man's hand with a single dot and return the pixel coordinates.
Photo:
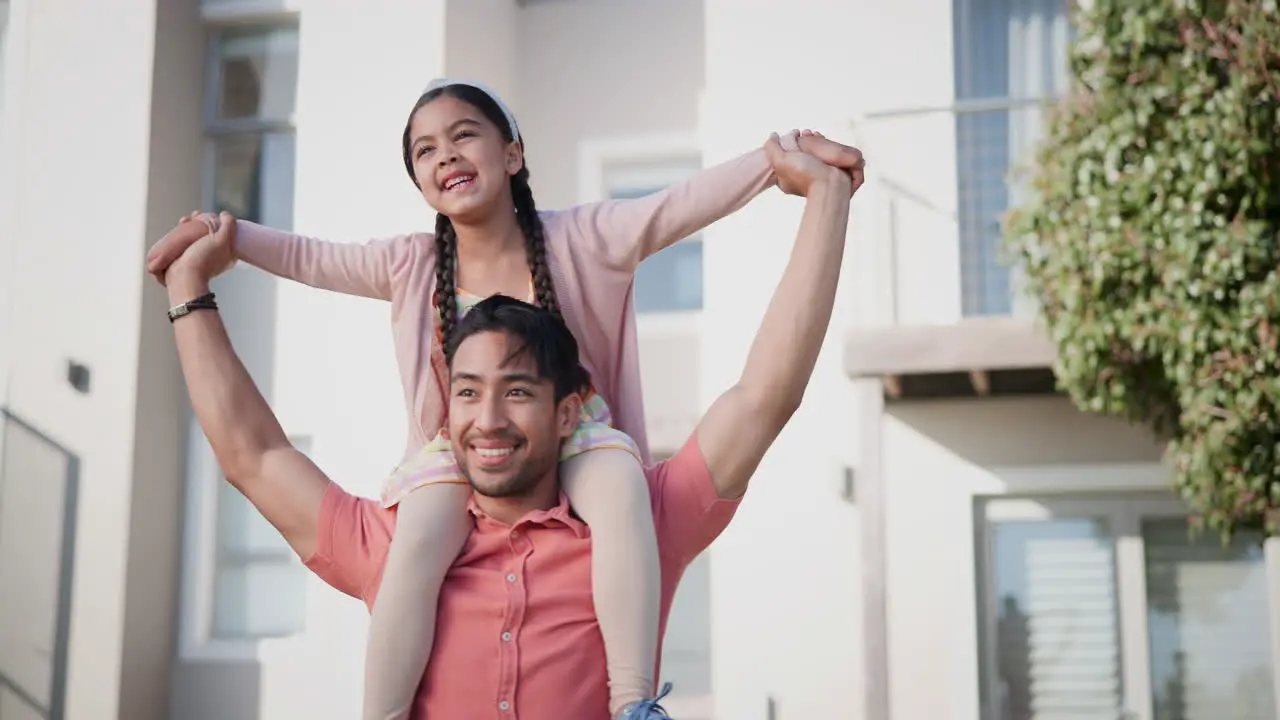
(846, 158)
(798, 171)
(210, 254)
(186, 233)
(786, 348)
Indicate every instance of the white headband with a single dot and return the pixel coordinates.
(506, 111)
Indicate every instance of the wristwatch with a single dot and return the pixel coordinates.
(204, 302)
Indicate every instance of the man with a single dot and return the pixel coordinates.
(517, 633)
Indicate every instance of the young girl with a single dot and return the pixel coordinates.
(463, 150)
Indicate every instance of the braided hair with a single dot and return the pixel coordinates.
(445, 296)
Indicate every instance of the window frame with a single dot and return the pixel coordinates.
(201, 557)
(1123, 511)
(659, 159)
(973, 284)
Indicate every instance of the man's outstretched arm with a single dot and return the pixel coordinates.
(281, 482)
(743, 422)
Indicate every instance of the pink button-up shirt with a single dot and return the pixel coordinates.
(516, 635)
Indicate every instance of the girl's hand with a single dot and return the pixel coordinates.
(175, 242)
(797, 171)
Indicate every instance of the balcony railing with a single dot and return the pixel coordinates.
(948, 175)
(38, 492)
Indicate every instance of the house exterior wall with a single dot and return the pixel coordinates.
(78, 205)
(938, 457)
(148, 515)
(602, 90)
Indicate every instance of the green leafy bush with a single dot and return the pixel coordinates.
(1150, 239)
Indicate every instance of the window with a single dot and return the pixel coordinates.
(671, 280)
(259, 584)
(244, 583)
(250, 108)
(1095, 609)
(1009, 55)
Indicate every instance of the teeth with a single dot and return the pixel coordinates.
(494, 452)
(458, 181)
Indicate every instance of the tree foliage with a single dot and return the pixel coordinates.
(1150, 239)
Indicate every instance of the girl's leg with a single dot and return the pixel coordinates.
(431, 528)
(608, 489)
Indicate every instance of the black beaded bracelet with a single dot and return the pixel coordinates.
(204, 302)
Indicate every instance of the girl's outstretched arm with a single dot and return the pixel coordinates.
(625, 232)
(363, 269)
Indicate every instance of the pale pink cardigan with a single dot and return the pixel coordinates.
(592, 252)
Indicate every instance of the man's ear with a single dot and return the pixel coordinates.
(515, 157)
(568, 415)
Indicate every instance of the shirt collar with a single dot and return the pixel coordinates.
(560, 514)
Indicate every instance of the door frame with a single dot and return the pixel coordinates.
(1123, 513)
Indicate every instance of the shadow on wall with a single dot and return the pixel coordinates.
(1009, 432)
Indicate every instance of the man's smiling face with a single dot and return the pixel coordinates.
(505, 422)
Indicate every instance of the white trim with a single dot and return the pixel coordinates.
(1077, 479)
(675, 322)
(595, 154)
(234, 12)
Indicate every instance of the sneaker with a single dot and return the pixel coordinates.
(647, 709)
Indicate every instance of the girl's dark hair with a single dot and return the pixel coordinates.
(445, 297)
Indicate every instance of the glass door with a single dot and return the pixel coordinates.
(1108, 608)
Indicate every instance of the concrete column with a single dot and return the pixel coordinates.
(775, 68)
(89, 169)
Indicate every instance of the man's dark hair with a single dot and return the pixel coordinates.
(534, 332)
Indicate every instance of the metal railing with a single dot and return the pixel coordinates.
(993, 141)
(39, 488)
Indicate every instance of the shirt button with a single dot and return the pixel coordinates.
(506, 637)
(504, 705)
(511, 577)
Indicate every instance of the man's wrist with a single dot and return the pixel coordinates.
(185, 286)
(834, 181)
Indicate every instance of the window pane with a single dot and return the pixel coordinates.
(262, 599)
(671, 280)
(257, 74)
(253, 177)
(243, 530)
(686, 651)
(1003, 50)
(1057, 645)
(259, 585)
(1207, 619)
